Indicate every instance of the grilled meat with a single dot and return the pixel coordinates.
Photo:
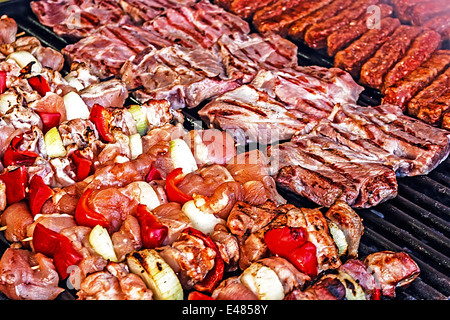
(356, 54)
(194, 26)
(21, 280)
(421, 49)
(296, 10)
(434, 112)
(395, 47)
(298, 29)
(182, 76)
(392, 270)
(141, 11)
(344, 37)
(8, 29)
(75, 20)
(114, 283)
(316, 36)
(17, 217)
(243, 8)
(405, 89)
(349, 222)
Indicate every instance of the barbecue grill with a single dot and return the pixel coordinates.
(417, 221)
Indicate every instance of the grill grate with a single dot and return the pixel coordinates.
(417, 221)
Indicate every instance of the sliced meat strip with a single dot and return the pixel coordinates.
(316, 36)
(405, 89)
(343, 37)
(420, 146)
(246, 113)
(298, 29)
(373, 71)
(354, 56)
(440, 23)
(421, 49)
(324, 181)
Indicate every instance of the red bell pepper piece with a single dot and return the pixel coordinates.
(153, 232)
(2, 81)
(376, 295)
(85, 216)
(283, 241)
(195, 295)
(38, 194)
(65, 256)
(40, 84)
(305, 259)
(153, 174)
(83, 165)
(45, 241)
(173, 193)
(215, 275)
(16, 182)
(56, 246)
(14, 156)
(102, 119)
(49, 120)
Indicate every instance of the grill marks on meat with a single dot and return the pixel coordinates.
(249, 114)
(184, 76)
(296, 97)
(355, 160)
(200, 25)
(75, 19)
(244, 54)
(106, 50)
(141, 11)
(355, 55)
(395, 47)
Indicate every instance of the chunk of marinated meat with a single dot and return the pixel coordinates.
(108, 94)
(324, 289)
(55, 222)
(114, 283)
(28, 276)
(8, 30)
(128, 238)
(246, 219)
(314, 222)
(251, 169)
(189, 258)
(349, 222)
(205, 180)
(392, 270)
(232, 289)
(170, 215)
(17, 217)
(211, 146)
(228, 246)
(113, 204)
(50, 103)
(49, 58)
(91, 260)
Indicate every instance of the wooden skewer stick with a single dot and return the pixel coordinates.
(35, 267)
(20, 34)
(3, 228)
(27, 239)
